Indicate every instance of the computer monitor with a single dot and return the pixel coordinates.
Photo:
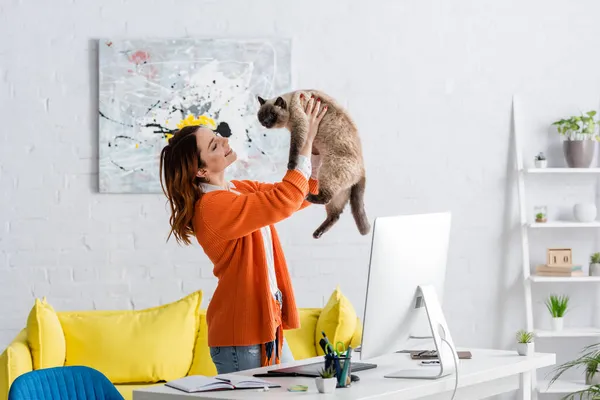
(406, 277)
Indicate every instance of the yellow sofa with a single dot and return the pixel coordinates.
(147, 347)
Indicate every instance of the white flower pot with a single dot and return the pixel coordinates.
(326, 385)
(557, 324)
(595, 380)
(595, 269)
(541, 163)
(525, 349)
(585, 212)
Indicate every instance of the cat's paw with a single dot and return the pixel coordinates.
(316, 199)
(292, 165)
(318, 233)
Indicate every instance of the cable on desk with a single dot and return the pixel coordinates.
(455, 368)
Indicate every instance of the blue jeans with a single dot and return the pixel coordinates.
(229, 359)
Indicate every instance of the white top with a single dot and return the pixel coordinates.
(305, 167)
(488, 373)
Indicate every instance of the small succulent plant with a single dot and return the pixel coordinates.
(327, 373)
(524, 336)
(540, 156)
(595, 258)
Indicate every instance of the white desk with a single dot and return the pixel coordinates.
(488, 373)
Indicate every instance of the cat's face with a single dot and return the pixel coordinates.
(273, 113)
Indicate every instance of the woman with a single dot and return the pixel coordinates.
(232, 221)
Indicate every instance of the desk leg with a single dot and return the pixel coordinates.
(526, 387)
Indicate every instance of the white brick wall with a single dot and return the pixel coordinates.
(428, 82)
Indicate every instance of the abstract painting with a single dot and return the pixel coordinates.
(147, 87)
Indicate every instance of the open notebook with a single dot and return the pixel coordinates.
(199, 383)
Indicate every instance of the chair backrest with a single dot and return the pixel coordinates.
(63, 383)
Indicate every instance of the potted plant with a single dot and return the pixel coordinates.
(540, 214)
(595, 264)
(557, 305)
(579, 133)
(524, 343)
(540, 217)
(540, 160)
(326, 382)
(589, 360)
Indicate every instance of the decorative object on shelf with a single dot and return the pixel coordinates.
(540, 160)
(327, 381)
(525, 343)
(559, 257)
(559, 263)
(595, 264)
(585, 212)
(559, 271)
(541, 214)
(557, 305)
(590, 360)
(579, 144)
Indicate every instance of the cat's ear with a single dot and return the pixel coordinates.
(261, 100)
(280, 102)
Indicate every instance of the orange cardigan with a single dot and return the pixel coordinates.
(242, 311)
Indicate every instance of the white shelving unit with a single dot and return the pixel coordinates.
(568, 333)
(563, 170)
(564, 224)
(559, 386)
(557, 279)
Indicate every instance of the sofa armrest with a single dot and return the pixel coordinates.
(14, 362)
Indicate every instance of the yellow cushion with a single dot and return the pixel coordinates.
(302, 340)
(14, 362)
(202, 364)
(126, 390)
(45, 336)
(357, 337)
(134, 346)
(337, 320)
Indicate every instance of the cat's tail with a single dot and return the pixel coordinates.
(357, 193)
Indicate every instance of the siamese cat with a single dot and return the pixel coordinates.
(342, 173)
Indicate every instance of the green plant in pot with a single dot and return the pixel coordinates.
(557, 305)
(326, 381)
(589, 360)
(524, 343)
(540, 214)
(580, 136)
(595, 264)
(540, 160)
(540, 217)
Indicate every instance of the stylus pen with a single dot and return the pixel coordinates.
(346, 366)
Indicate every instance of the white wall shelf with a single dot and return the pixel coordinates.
(565, 279)
(564, 224)
(529, 279)
(568, 333)
(561, 386)
(563, 170)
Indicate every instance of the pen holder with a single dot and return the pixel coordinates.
(342, 366)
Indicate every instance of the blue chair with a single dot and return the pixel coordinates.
(63, 383)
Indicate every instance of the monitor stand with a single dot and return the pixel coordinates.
(441, 339)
